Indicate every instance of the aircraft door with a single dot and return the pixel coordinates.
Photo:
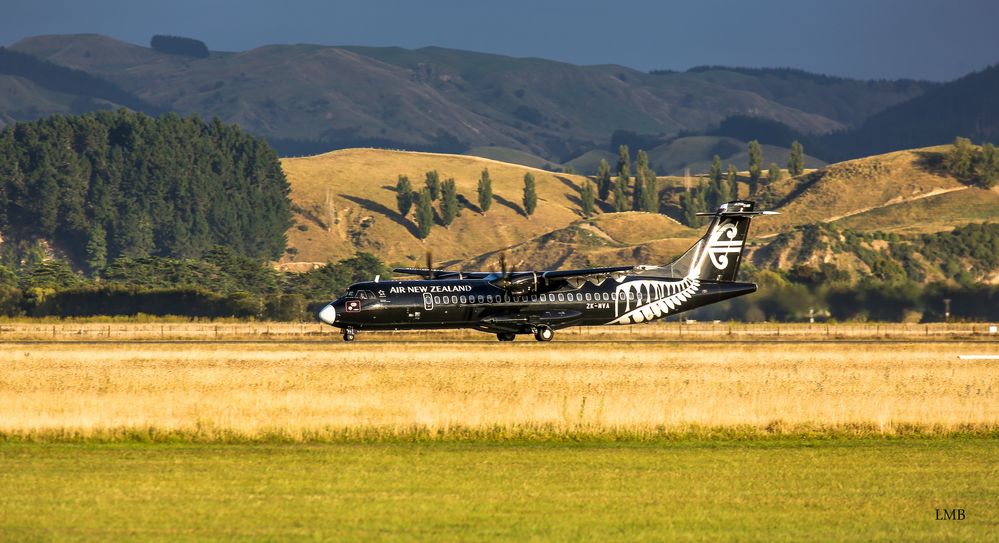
(428, 301)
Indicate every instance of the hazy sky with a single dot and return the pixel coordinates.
(929, 39)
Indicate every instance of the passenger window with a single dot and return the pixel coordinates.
(437, 299)
(579, 297)
(544, 297)
(489, 298)
(588, 296)
(561, 297)
(463, 299)
(481, 298)
(606, 297)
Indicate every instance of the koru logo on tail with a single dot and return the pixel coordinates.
(719, 248)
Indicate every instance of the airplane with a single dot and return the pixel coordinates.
(510, 303)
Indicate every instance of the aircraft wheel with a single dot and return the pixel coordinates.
(347, 336)
(544, 333)
(506, 336)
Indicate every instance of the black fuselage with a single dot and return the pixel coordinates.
(478, 304)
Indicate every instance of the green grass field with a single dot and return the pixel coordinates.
(686, 490)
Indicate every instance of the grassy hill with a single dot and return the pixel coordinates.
(875, 193)
(512, 156)
(345, 202)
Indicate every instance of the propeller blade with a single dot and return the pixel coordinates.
(430, 266)
(503, 269)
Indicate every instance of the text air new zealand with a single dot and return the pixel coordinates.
(508, 303)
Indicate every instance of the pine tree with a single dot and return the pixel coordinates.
(450, 208)
(603, 180)
(485, 191)
(97, 248)
(404, 195)
(774, 175)
(433, 183)
(424, 213)
(755, 166)
(530, 194)
(587, 197)
(796, 162)
(715, 173)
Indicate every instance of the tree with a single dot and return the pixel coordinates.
(433, 182)
(530, 194)
(623, 161)
(603, 180)
(960, 161)
(988, 166)
(97, 248)
(450, 208)
(692, 203)
(774, 175)
(733, 182)
(796, 162)
(485, 191)
(650, 193)
(755, 166)
(641, 172)
(586, 196)
(715, 173)
(404, 195)
(424, 213)
(620, 197)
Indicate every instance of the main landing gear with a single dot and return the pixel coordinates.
(543, 332)
(348, 334)
(506, 336)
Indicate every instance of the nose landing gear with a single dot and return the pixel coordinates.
(348, 334)
(543, 332)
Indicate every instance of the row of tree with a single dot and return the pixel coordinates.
(221, 284)
(450, 201)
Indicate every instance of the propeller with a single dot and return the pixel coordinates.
(432, 274)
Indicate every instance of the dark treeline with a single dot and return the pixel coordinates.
(176, 45)
(67, 80)
(122, 184)
(221, 284)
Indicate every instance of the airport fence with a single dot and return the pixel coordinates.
(668, 331)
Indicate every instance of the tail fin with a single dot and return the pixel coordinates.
(717, 255)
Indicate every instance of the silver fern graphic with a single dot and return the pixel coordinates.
(647, 299)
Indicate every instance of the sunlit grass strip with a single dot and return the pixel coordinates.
(527, 433)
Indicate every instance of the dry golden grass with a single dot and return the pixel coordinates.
(347, 201)
(310, 391)
(856, 187)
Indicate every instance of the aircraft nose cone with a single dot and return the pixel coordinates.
(328, 314)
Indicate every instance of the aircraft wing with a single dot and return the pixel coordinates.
(527, 282)
(441, 274)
